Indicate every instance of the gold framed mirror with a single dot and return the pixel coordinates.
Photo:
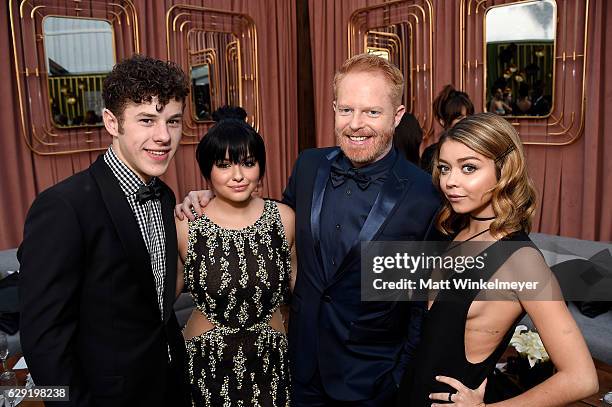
(59, 86)
(564, 121)
(215, 50)
(79, 55)
(225, 41)
(519, 41)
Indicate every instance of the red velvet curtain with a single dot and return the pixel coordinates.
(25, 174)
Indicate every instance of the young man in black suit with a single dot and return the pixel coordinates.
(342, 351)
(99, 255)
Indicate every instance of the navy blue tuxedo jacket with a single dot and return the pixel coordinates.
(355, 345)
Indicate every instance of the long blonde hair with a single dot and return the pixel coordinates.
(513, 197)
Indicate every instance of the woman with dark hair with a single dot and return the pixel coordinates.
(489, 198)
(407, 137)
(238, 260)
(449, 107)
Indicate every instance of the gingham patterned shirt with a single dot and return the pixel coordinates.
(149, 217)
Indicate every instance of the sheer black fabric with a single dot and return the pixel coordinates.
(442, 348)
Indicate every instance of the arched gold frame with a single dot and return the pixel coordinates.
(39, 134)
(210, 56)
(419, 17)
(384, 41)
(562, 127)
(232, 70)
(183, 19)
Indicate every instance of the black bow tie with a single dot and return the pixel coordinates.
(146, 193)
(338, 176)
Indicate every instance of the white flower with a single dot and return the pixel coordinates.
(529, 344)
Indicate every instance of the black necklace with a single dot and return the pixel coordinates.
(467, 240)
(476, 235)
(483, 219)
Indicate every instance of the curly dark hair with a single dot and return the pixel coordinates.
(140, 79)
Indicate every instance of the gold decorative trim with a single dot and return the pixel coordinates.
(123, 9)
(421, 66)
(26, 34)
(232, 55)
(183, 20)
(34, 10)
(534, 128)
(399, 49)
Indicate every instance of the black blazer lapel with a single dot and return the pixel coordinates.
(390, 195)
(318, 193)
(125, 223)
(167, 208)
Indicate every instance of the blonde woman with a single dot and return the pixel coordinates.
(481, 172)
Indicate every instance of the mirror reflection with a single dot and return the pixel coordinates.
(520, 58)
(200, 87)
(215, 70)
(80, 54)
(382, 53)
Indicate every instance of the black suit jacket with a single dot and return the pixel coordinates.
(356, 346)
(89, 313)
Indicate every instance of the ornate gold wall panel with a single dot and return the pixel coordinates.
(565, 124)
(404, 29)
(206, 56)
(391, 46)
(233, 36)
(26, 17)
(232, 73)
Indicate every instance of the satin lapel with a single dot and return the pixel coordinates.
(390, 195)
(318, 192)
(125, 223)
(167, 208)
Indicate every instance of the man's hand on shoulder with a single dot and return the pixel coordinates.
(196, 201)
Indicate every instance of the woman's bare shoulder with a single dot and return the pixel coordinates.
(286, 212)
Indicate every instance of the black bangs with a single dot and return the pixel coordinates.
(231, 139)
(229, 144)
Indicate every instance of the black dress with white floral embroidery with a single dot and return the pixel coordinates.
(238, 279)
